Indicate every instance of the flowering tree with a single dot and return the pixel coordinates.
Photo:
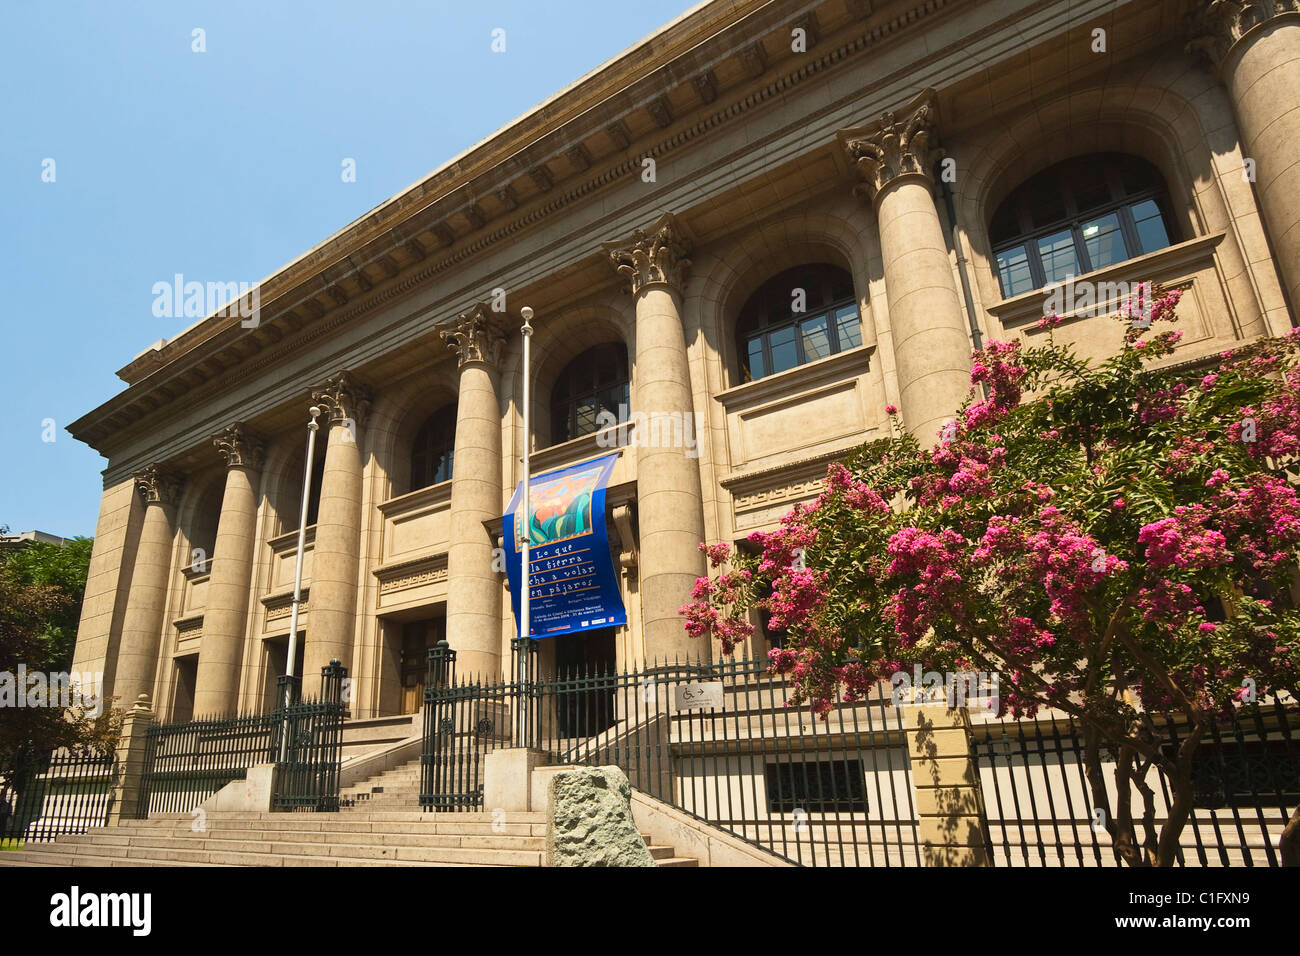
(1122, 543)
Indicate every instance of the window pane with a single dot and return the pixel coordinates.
(1013, 272)
(816, 338)
(1150, 226)
(848, 327)
(1104, 241)
(1058, 256)
(586, 417)
(757, 369)
(784, 355)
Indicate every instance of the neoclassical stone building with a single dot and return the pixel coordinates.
(778, 216)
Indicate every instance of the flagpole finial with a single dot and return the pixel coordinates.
(527, 313)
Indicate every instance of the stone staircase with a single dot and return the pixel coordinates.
(380, 824)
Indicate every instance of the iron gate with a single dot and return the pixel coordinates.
(815, 792)
(63, 792)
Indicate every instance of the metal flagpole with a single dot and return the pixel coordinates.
(525, 503)
(312, 427)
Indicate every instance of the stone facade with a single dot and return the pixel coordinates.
(644, 208)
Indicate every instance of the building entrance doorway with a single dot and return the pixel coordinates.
(584, 704)
(417, 638)
(276, 650)
(187, 670)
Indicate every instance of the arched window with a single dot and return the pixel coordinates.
(1078, 216)
(293, 486)
(203, 529)
(594, 382)
(431, 452)
(799, 316)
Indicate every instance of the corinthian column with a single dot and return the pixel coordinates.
(225, 615)
(473, 588)
(932, 347)
(338, 530)
(1255, 46)
(670, 504)
(142, 624)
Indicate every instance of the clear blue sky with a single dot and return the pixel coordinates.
(223, 166)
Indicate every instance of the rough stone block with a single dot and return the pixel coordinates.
(591, 824)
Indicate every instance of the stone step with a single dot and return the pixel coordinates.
(262, 853)
(427, 824)
(315, 820)
(220, 839)
(679, 861)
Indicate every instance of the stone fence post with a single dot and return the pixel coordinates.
(949, 804)
(124, 800)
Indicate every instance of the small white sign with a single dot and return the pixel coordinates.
(699, 695)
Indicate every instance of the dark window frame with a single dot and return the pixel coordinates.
(433, 449)
(1121, 201)
(590, 376)
(767, 313)
(816, 786)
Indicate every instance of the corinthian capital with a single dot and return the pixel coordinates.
(478, 336)
(343, 398)
(1216, 25)
(658, 255)
(160, 485)
(899, 145)
(239, 447)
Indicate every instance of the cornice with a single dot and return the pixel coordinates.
(164, 385)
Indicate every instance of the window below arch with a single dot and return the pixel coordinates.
(799, 316)
(1079, 216)
(596, 381)
(433, 449)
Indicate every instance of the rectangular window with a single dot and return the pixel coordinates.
(826, 786)
(784, 355)
(816, 338)
(1246, 773)
(1013, 272)
(1104, 241)
(848, 327)
(757, 367)
(1150, 226)
(1058, 256)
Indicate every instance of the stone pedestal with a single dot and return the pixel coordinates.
(473, 586)
(508, 777)
(335, 555)
(931, 340)
(670, 500)
(225, 615)
(142, 624)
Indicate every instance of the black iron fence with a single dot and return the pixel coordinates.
(716, 740)
(1246, 776)
(62, 792)
(186, 763)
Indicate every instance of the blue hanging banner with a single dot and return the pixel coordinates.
(573, 583)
